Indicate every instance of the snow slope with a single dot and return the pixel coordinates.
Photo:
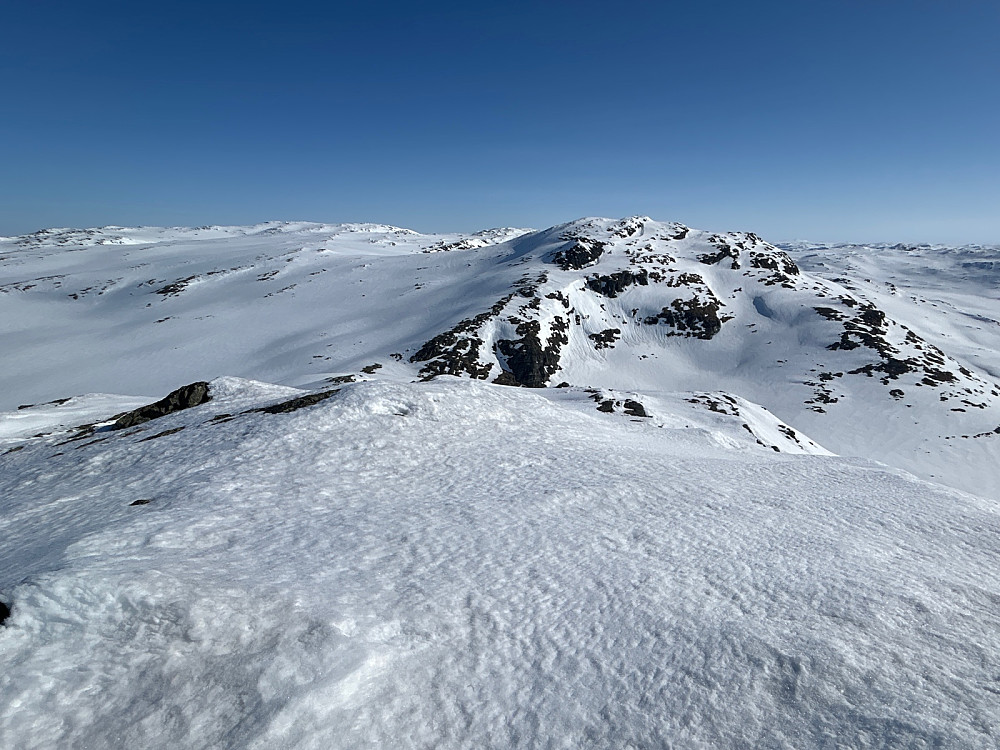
(884, 353)
(649, 545)
(458, 564)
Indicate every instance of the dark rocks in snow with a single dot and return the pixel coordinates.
(296, 403)
(186, 397)
(891, 367)
(175, 287)
(685, 279)
(55, 402)
(613, 284)
(693, 317)
(162, 434)
(529, 362)
(631, 407)
(605, 339)
(456, 351)
(142, 501)
(869, 328)
(628, 227)
(560, 297)
(580, 254)
(726, 404)
(4, 612)
(725, 250)
(370, 369)
(829, 313)
(777, 261)
(634, 408)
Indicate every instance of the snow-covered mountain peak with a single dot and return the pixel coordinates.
(574, 486)
(825, 338)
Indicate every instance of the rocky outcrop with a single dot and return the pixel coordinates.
(528, 361)
(193, 394)
(456, 351)
(581, 253)
(614, 284)
(695, 317)
(295, 404)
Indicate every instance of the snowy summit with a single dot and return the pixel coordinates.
(615, 483)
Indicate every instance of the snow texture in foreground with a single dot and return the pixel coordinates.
(456, 564)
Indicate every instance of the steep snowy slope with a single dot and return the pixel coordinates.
(457, 564)
(631, 304)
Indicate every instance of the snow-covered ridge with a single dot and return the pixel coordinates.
(459, 564)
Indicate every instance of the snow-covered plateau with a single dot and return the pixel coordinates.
(616, 484)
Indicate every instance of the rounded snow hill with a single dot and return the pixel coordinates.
(456, 564)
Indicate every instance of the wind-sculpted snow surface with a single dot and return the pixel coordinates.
(456, 564)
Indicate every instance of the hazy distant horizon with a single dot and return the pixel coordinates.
(914, 239)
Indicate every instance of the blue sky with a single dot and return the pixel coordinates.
(823, 119)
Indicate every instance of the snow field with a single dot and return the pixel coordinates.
(456, 564)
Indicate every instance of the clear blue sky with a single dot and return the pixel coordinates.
(821, 119)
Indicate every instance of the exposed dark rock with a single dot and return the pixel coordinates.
(15, 449)
(528, 361)
(370, 369)
(55, 402)
(175, 287)
(613, 284)
(185, 397)
(142, 501)
(628, 227)
(580, 254)
(939, 376)
(869, 328)
(4, 612)
(341, 379)
(456, 351)
(634, 408)
(605, 339)
(162, 434)
(789, 432)
(296, 403)
(685, 279)
(506, 378)
(691, 317)
(725, 250)
(775, 260)
(829, 313)
(560, 297)
(607, 406)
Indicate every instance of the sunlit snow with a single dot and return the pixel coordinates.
(639, 555)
